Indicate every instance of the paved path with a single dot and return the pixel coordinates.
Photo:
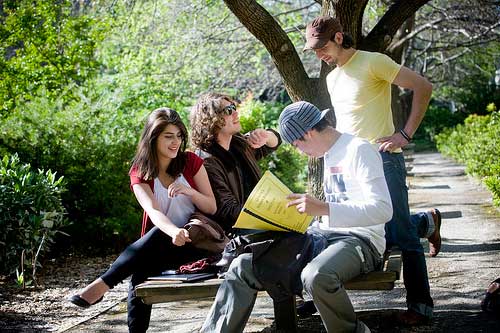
(468, 261)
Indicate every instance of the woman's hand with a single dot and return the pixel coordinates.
(180, 237)
(176, 188)
(145, 196)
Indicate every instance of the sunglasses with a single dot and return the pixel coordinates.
(229, 110)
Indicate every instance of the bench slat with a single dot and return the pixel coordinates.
(392, 262)
(372, 281)
(153, 292)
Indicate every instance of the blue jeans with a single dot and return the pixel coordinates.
(425, 227)
(401, 231)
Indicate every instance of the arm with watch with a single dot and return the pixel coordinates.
(422, 90)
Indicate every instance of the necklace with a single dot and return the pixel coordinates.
(166, 179)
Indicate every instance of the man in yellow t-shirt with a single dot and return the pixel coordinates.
(360, 91)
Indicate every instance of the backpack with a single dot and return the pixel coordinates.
(206, 234)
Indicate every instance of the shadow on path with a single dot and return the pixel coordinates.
(469, 248)
(383, 321)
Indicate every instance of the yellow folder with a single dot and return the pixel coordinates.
(266, 208)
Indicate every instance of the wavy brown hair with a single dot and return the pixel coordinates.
(146, 156)
(207, 120)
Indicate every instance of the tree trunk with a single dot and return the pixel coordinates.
(297, 83)
(350, 15)
(265, 28)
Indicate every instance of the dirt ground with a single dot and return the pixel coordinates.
(469, 260)
(44, 308)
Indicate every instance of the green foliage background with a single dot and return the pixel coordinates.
(78, 79)
(44, 49)
(286, 163)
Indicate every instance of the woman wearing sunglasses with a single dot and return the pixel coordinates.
(169, 184)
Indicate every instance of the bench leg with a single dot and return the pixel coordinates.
(285, 315)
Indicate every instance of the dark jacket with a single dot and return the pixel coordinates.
(278, 261)
(233, 174)
(277, 258)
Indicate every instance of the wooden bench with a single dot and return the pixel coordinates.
(153, 292)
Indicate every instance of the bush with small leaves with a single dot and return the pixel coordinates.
(476, 143)
(31, 214)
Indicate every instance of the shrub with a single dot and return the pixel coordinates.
(31, 213)
(91, 143)
(437, 118)
(476, 143)
(493, 183)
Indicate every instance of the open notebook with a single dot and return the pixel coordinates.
(266, 208)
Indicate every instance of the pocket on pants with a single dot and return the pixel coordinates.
(365, 267)
(394, 171)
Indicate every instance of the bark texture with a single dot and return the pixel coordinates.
(268, 31)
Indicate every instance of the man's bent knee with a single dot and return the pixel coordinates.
(240, 265)
(313, 280)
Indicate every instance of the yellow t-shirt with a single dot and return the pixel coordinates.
(360, 92)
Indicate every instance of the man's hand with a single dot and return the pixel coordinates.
(257, 138)
(391, 143)
(180, 237)
(307, 204)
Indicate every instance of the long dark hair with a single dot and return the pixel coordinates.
(146, 156)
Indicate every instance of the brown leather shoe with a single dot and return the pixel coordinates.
(412, 318)
(435, 238)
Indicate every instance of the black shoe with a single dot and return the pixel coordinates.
(306, 309)
(79, 301)
(412, 318)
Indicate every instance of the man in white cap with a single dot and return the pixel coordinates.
(357, 206)
(360, 92)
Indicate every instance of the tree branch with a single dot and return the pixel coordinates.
(417, 31)
(295, 9)
(264, 27)
(381, 35)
